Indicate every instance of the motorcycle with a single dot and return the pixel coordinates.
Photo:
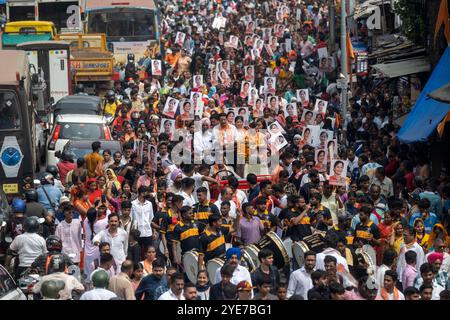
(28, 279)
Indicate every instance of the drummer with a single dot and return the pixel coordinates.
(320, 216)
(366, 232)
(296, 218)
(203, 209)
(186, 233)
(212, 239)
(269, 220)
(168, 222)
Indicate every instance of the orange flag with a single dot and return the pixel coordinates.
(441, 126)
(442, 18)
(350, 52)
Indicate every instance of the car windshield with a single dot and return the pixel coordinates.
(91, 131)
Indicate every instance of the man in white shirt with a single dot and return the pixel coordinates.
(389, 257)
(203, 143)
(300, 280)
(28, 246)
(226, 194)
(352, 160)
(70, 233)
(176, 288)
(142, 213)
(410, 243)
(116, 237)
(331, 242)
(240, 273)
(100, 281)
(187, 189)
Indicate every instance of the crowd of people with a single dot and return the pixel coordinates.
(240, 139)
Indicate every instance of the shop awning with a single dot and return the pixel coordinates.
(427, 112)
(402, 68)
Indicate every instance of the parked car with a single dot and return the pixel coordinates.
(75, 127)
(80, 148)
(9, 290)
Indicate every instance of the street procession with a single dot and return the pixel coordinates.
(225, 150)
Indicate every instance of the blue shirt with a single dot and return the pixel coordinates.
(148, 287)
(54, 194)
(428, 222)
(357, 220)
(436, 203)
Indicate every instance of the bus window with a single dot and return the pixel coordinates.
(97, 24)
(9, 111)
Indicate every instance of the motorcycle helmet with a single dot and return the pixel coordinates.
(53, 170)
(67, 156)
(18, 206)
(31, 224)
(79, 88)
(100, 279)
(31, 195)
(53, 244)
(50, 288)
(110, 96)
(126, 103)
(130, 57)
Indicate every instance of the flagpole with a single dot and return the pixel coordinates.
(344, 59)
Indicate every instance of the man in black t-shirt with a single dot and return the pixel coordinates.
(295, 218)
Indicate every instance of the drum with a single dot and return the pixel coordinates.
(178, 249)
(190, 264)
(288, 245)
(369, 255)
(273, 242)
(314, 242)
(212, 266)
(249, 263)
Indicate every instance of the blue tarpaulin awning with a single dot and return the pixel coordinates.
(427, 113)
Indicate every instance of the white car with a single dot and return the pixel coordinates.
(9, 290)
(75, 127)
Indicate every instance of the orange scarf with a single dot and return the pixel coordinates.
(385, 296)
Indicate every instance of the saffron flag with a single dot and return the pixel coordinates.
(441, 126)
(350, 52)
(442, 19)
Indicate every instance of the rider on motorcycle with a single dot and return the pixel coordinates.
(27, 247)
(56, 268)
(54, 247)
(14, 225)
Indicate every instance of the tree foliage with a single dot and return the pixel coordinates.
(413, 26)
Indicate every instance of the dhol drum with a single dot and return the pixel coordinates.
(369, 255)
(287, 242)
(273, 242)
(314, 242)
(248, 262)
(178, 249)
(190, 264)
(212, 266)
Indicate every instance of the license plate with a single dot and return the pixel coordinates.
(10, 188)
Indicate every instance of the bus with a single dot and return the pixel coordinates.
(131, 26)
(18, 152)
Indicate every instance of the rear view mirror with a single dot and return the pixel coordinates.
(51, 101)
(58, 154)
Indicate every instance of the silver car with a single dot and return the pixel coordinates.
(9, 290)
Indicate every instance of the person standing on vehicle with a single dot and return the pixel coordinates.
(49, 195)
(33, 207)
(93, 158)
(69, 231)
(27, 247)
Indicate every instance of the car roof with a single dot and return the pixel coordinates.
(80, 118)
(113, 145)
(78, 104)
